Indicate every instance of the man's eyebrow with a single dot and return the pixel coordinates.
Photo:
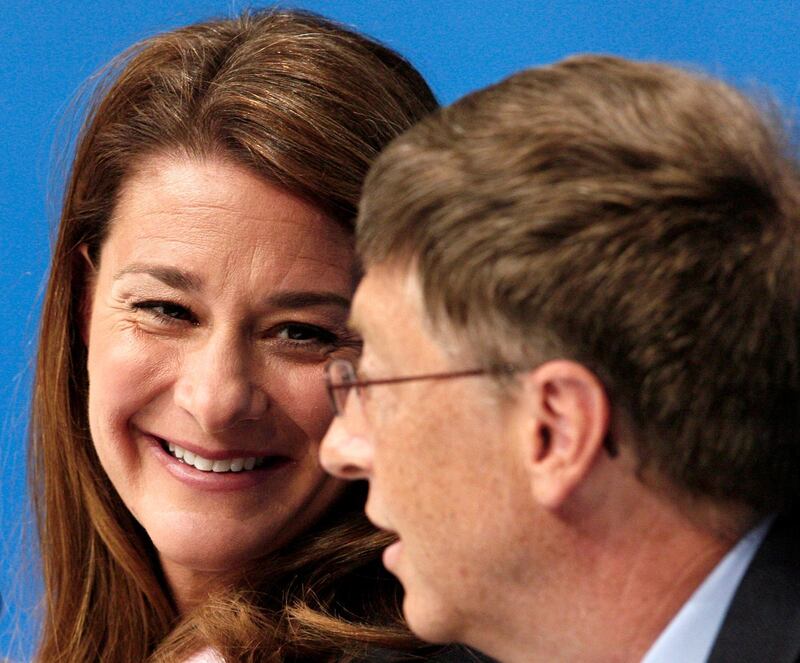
(297, 299)
(171, 276)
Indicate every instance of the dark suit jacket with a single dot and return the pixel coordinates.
(762, 624)
(450, 654)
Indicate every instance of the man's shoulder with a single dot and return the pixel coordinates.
(763, 620)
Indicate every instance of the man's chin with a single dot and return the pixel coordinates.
(427, 623)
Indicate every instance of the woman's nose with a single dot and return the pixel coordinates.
(216, 385)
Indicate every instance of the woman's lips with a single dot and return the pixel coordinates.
(229, 470)
(203, 463)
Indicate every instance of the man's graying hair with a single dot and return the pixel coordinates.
(637, 218)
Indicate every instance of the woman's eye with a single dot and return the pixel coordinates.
(305, 334)
(167, 311)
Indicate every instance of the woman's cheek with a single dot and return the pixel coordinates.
(127, 371)
(303, 397)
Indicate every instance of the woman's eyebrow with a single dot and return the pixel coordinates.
(297, 299)
(171, 276)
(187, 281)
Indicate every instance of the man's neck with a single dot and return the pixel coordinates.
(611, 588)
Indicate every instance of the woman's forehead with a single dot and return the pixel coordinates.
(216, 220)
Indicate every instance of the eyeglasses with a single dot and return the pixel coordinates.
(341, 377)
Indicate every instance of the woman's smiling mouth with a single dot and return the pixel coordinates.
(242, 463)
(229, 470)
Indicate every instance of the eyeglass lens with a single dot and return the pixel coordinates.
(341, 375)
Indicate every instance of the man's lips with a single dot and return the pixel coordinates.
(392, 552)
(391, 555)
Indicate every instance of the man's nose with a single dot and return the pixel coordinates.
(216, 386)
(345, 455)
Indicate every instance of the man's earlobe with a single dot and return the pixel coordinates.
(570, 413)
(86, 274)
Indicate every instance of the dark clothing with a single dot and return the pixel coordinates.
(450, 654)
(762, 624)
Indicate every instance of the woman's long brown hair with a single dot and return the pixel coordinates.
(306, 104)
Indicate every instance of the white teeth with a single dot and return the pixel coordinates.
(203, 464)
(208, 465)
(221, 466)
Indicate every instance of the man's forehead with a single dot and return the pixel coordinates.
(385, 294)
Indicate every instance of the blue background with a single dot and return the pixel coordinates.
(50, 48)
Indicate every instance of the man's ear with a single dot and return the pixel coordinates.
(87, 272)
(570, 413)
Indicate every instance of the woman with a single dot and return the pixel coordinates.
(199, 283)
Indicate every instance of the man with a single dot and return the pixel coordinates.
(579, 395)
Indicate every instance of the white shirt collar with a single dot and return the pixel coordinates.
(690, 635)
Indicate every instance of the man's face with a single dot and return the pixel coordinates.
(440, 459)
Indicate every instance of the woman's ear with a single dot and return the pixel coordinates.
(87, 273)
(570, 414)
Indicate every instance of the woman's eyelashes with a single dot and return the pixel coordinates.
(290, 335)
(308, 337)
(166, 312)
(303, 334)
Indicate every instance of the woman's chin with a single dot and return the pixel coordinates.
(198, 530)
(193, 566)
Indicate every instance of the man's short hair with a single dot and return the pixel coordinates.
(637, 218)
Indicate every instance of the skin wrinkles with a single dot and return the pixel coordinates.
(187, 282)
(215, 304)
(169, 276)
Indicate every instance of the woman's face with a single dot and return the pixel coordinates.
(217, 300)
